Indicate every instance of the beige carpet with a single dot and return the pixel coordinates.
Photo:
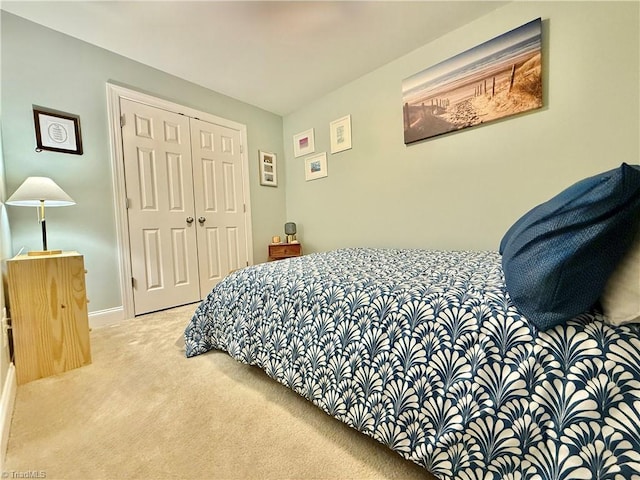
(143, 410)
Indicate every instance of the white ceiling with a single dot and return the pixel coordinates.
(276, 55)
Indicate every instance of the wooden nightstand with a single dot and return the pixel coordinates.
(278, 251)
(49, 318)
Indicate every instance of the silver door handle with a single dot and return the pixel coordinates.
(202, 220)
(189, 220)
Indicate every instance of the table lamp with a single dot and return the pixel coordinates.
(40, 192)
(290, 231)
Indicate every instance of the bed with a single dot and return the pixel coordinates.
(426, 352)
(521, 363)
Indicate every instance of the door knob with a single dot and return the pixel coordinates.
(189, 220)
(202, 220)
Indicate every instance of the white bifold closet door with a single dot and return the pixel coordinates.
(185, 203)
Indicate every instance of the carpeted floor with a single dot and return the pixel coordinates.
(143, 410)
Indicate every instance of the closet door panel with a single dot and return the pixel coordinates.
(159, 184)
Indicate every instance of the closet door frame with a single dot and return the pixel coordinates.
(114, 94)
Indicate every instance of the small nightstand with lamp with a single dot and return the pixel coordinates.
(291, 248)
(47, 295)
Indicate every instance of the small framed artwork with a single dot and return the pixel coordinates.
(340, 134)
(303, 143)
(268, 173)
(57, 131)
(315, 167)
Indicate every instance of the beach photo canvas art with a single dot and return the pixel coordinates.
(499, 78)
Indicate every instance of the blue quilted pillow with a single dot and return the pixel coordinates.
(558, 257)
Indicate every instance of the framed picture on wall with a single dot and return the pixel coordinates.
(496, 79)
(268, 171)
(303, 143)
(57, 131)
(340, 130)
(315, 167)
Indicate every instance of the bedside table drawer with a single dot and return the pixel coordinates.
(284, 250)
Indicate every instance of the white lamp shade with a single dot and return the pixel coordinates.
(35, 190)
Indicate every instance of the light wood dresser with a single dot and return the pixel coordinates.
(49, 317)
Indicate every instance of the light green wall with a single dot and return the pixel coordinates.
(462, 191)
(46, 68)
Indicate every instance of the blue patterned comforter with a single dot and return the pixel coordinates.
(424, 351)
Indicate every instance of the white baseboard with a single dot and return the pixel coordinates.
(105, 318)
(7, 402)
